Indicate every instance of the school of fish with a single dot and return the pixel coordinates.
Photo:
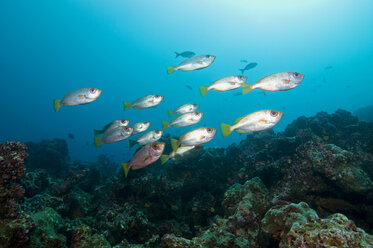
(190, 143)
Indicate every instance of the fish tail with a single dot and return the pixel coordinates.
(56, 104)
(177, 54)
(165, 125)
(246, 88)
(127, 105)
(132, 143)
(125, 168)
(226, 129)
(203, 90)
(96, 133)
(164, 158)
(170, 113)
(170, 69)
(97, 141)
(174, 144)
(242, 70)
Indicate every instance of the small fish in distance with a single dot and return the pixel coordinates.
(328, 67)
(186, 54)
(119, 134)
(183, 109)
(248, 67)
(223, 84)
(147, 138)
(275, 82)
(184, 120)
(77, 97)
(243, 61)
(189, 87)
(70, 135)
(195, 137)
(140, 127)
(194, 63)
(145, 156)
(257, 121)
(144, 102)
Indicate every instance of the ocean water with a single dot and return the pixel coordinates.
(49, 48)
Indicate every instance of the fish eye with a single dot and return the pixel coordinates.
(274, 113)
(209, 130)
(126, 129)
(155, 146)
(157, 132)
(123, 121)
(92, 90)
(296, 74)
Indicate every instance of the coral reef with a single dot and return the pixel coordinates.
(244, 195)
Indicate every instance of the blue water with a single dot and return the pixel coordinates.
(49, 48)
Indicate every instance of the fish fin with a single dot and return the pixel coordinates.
(56, 105)
(242, 70)
(97, 141)
(96, 133)
(238, 119)
(174, 144)
(199, 62)
(225, 129)
(164, 158)
(125, 168)
(177, 54)
(263, 121)
(203, 90)
(170, 69)
(132, 143)
(165, 125)
(246, 88)
(127, 105)
(170, 113)
(286, 81)
(202, 137)
(81, 97)
(239, 131)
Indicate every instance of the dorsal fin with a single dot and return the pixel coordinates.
(238, 119)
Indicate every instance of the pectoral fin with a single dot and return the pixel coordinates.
(81, 97)
(202, 137)
(286, 81)
(263, 122)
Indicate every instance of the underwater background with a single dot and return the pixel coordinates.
(316, 163)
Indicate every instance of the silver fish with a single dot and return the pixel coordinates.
(115, 135)
(112, 125)
(223, 84)
(144, 157)
(78, 97)
(183, 109)
(194, 63)
(257, 121)
(147, 138)
(184, 120)
(144, 102)
(195, 137)
(140, 127)
(276, 82)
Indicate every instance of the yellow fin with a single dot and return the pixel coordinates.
(170, 113)
(238, 119)
(170, 69)
(56, 105)
(239, 131)
(164, 158)
(125, 168)
(97, 140)
(165, 125)
(246, 88)
(174, 144)
(225, 129)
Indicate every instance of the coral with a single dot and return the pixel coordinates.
(12, 156)
(82, 237)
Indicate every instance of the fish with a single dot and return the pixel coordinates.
(140, 127)
(276, 82)
(223, 84)
(77, 97)
(111, 126)
(183, 109)
(328, 67)
(147, 138)
(147, 155)
(243, 61)
(254, 122)
(115, 135)
(189, 87)
(248, 67)
(181, 153)
(184, 120)
(195, 137)
(70, 135)
(194, 63)
(144, 102)
(186, 54)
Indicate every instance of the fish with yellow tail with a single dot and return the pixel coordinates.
(183, 109)
(254, 122)
(194, 63)
(77, 97)
(145, 156)
(223, 84)
(184, 120)
(118, 134)
(111, 126)
(147, 138)
(140, 127)
(183, 152)
(195, 137)
(148, 101)
(276, 82)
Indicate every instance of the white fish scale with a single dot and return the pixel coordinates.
(250, 121)
(273, 82)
